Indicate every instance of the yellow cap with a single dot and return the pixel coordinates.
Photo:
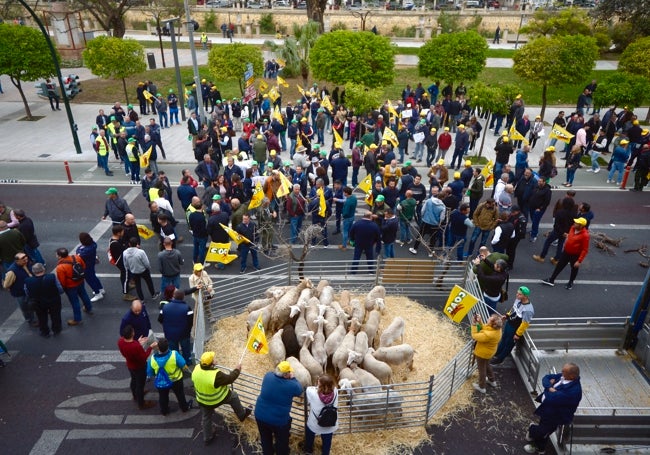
(506, 139)
(207, 358)
(468, 163)
(624, 142)
(285, 367)
(373, 146)
(203, 81)
(645, 131)
(446, 128)
(272, 152)
(456, 175)
(635, 122)
(504, 133)
(461, 126)
(441, 162)
(433, 130)
(581, 221)
(198, 267)
(550, 148)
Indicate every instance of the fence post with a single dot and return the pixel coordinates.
(426, 415)
(377, 271)
(453, 379)
(289, 270)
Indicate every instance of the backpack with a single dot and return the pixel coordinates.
(111, 258)
(78, 272)
(328, 415)
(162, 380)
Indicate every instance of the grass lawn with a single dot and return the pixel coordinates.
(109, 91)
(491, 53)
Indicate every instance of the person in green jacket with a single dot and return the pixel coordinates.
(406, 210)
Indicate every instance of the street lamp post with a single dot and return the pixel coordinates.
(179, 82)
(195, 66)
(57, 67)
(522, 21)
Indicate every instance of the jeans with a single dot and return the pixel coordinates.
(200, 250)
(389, 250)
(594, 160)
(549, 240)
(163, 397)
(292, 147)
(135, 171)
(54, 311)
(475, 234)
(355, 176)
(162, 119)
(347, 225)
(103, 162)
(184, 347)
(425, 229)
(167, 280)
(570, 174)
(460, 239)
(173, 116)
(208, 411)
(541, 432)
(368, 250)
(507, 342)
(458, 153)
(23, 304)
(281, 434)
(244, 249)
(283, 141)
(320, 132)
(535, 218)
(404, 230)
(138, 379)
(74, 294)
(617, 166)
(419, 151)
(401, 151)
(491, 302)
(326, 439)
(441, 154)
(34, 254)
(296, 225)
(91, 278)
(563, 260)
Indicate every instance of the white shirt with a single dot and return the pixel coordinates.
(316, 406)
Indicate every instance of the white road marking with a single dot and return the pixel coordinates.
(90, 356)
(90, 377)
(49, 442)
(11, 325)
(162, 433)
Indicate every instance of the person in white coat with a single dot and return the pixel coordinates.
(319, 397)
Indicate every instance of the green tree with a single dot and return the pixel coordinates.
(114, 58)
(229, 62)
(361, 98)
(161, 9)
(453, 57)
(622, 89)
(24, 56)
(361, 57)
(634, 58)
(449, 23)
(545, 60)
(316, 11)
(570, 21)
(616, 12)
(109, 13)
(296, 50)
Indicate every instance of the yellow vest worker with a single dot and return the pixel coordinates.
(173, 364)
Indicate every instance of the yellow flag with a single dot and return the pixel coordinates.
(365, 185)
(258, 195)
(338, 140)
(280, 61)
(390, 136)
(220, 252)
(370, 200)
(459, 303)
(257, 339)
(278, 115)
(516, 135)
(274, 94)
(282, 82)
(298, 141)
(488, 173)
(263, 86)
(285, 186)
(154, 193)
(557, 132)
(322, 205)
(300, 89)
(144, 158)
(234, 235)
(145, 232)
(392, 110)
(327, 104)
(148, 96)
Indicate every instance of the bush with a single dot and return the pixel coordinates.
(139, 25)
(339, 26)
(267, 24)
(211, 22)
(474, 23)
(406, 32)
(449, 23)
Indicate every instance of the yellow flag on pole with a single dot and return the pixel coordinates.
(285, 186)
(300, 89)
(144, 158)
(278, 115)
(557, 132)
(390, 136)
(365, 185)
(274, 94)
(338, 140)
(154, 193)
(322, 205)
(488, 173)
(145, 232)
(263, 86)
(391, 109)
(234, 235)
(298, 141)
(280, 61)
(282, 82)
(370, 200)
(257, 339)
(516, 135)
(327, 104)
(220, 252)
(258, 195)
(459, 303)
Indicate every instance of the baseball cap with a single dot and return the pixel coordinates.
(468, 163)
(446, 128)
(373, 146)
(581, 221)
(198, 267)
(285, 367)
(216, 197)
(524, 290)
(441, 162)
(624, 142)
(111, 190)
(207, 358)
(506, 139)
(407, 164)
(380, 198)
(456, 175)
(254, 163)
(273, 153)
(433, 130)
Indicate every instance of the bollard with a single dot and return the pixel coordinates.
(67, 171)
(626, 174)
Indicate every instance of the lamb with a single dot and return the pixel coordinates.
(334, 339)
(318, 345)
(393, 332)
(311, 313)
(381, 370)
(369, 404)
(358, 310)
(366, 379)
(300, 372)
(266, 316)
(371, 326)
(346, 374)
(301, 329)
(340, 357)
(331, 320)
(290, 341)
(396, 355)
(326, 295)
(276, 291)
(259, 303)
(361, 343)
(282, 308)
(344, 300)
(308, 360)
(276, 347)
(321, 285)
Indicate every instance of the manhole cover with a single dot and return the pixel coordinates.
(44, 155)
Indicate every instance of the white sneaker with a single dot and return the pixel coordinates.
(478, 388)
(589, 170)
(609, 181)
(103, 291)
(97, 297)
(413, 251)
(492, 383)
(597, 171)
(530, 448)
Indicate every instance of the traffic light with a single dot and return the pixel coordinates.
(71, 84)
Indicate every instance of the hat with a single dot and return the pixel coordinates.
(323, 153)
(504, 133)
(423, 121)
(207, 357)
(524, 290)
(316, 147)
(441, 162)
(550, 148)
(373, 146)
(287, 163)
(378, 179)
(408, 105)
(254, 163)
(259, 136)
(247, 119)
(113, 118)
(265, 120)
(422, 113)
(130, 106)
(218, 101)
(538, 117)
(203, 81)
(224, 128)
(140, 84)
(94, 127)
(171, 90)
(198, 267)
(216, 197)
(301, 149)
(380, 198)
(407, 164)
(635, 122)
(294, 121)
(270, 165)
(581, 221)
(131, 139)
(446, 128)
(213, 89)
(456, 175)
(506, 139)
(645, 131)
(624, 142)
(358, 143)
(272, 153)
(111, 190)
(314, 160)
(304, 119)
(432, 130)
(285, 367)
(461, 126)
(518, 97)
(468, 163)
(265, 96)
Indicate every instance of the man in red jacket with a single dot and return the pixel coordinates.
(136, 361)
(576, 247)
(74, 289)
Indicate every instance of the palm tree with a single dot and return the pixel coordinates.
(295, 51)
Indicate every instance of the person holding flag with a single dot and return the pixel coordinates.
(486, 336)
(248, 230)
(320, 206)
(212, 390)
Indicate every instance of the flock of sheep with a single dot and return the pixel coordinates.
(315, 333)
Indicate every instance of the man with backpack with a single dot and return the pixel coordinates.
(166, 367)
(70, 273)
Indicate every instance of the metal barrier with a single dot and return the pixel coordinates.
(360, 409)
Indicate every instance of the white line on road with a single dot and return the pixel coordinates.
(49, 442)
(11, 325)
(90, 356)
(162, 433)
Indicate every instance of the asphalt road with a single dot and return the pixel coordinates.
(36, 418)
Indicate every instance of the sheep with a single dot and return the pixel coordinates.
(259, 303)
(346, 374)
(300, 372)
(305, 295)
(334, 339)
(318, 344)
(358, 310)
(340, 357)
(311, 313)
(326, 295)
(378, 292)
(276, 291)
(396, 355)
(345, 384)
(308, 360)
(290, 341)
(301, 328)
(276, 347)
(282, 308)
(337, 306)
(266, 316)
(381, 370)
(344, 301)
(371, 326)
(366, 379)
(331, 321)
(321, 285)
(361, 343)
(393, 332)
(374, 404)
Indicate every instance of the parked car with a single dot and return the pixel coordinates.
(396, 5)
(473, 4)
(219, 3)
(450, 4)
(494, 4)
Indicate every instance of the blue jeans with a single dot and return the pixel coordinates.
(594, 160)
(472, 242)
(401, 151)
(162, 119)
(507, 342)
(321, 135)
(103, 162)
(355, 176)
(292, 147)
(167, 280)
(347, 225)
(461, 246)
(491, 302)
(184, 347)
(570, 174)
(326, 439)
(283, 141)
(296, 225)
(617, 166)
(244, 249)
(370, 256)
(34, 254)
(535, 217)
(419, 151)
(404, 230)
(389, 250)
(91, 278)
(74, 294)
(200, 249)
(173, 116)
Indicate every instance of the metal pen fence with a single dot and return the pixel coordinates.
(360, 409)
